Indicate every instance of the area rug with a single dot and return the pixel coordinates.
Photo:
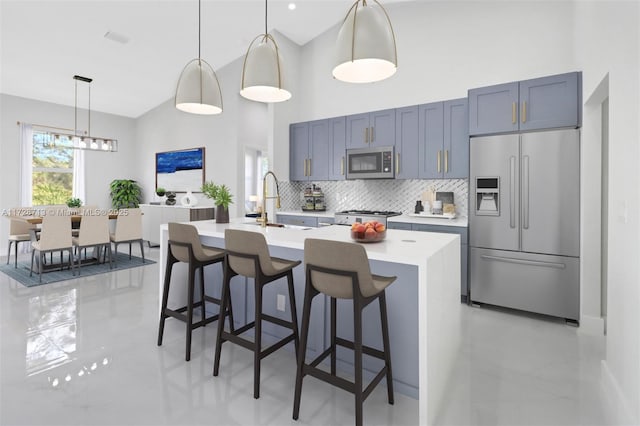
(21, 273)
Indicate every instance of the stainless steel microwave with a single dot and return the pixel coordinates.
(370, 163)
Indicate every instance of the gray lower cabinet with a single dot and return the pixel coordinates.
(464, 244)
(313, 221)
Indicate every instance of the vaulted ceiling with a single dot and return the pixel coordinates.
(44, 43)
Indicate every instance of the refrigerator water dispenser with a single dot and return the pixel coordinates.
(487, 196)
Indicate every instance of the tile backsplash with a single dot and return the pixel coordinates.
(387, 194)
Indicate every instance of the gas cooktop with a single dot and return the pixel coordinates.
(370, 213)
(348, 217)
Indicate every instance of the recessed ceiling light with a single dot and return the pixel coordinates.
(117, 37)
(292, 6)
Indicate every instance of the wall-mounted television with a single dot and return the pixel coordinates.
(180, 171)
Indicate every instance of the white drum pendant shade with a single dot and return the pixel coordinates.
(366, 47)
(262, 76)
(198, 90)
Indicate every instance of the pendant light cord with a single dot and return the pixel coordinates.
(265, 17)
(199, 29)
(75, 113)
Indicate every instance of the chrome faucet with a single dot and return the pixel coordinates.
(263, 216)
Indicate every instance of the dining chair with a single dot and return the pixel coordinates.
(55, 235)
(19, 231)
(93, 232)
(340, 270)
(128, 230)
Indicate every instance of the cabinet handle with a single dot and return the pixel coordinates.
(366, 135)
(524, 111)
(524, 262)
(439, 153)
(513, 113)
(397, 163)
(373, 135)
(512, 191)
(525, 192)
(446, 161)
(342, 166)
(309, 166)
(305, 166)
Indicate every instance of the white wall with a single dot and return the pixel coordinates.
(242, 123)
(101, 167)
(608, 43)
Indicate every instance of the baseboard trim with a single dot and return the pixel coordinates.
(618, 407)
(591, 325)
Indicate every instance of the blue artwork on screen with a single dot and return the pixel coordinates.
(180, 171)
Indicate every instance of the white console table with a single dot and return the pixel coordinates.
(155, 215)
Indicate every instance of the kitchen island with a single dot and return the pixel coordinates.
(423, 303)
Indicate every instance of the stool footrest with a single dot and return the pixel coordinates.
(277, 321)
(312, 370)
(179, 315)
(365, 349)
(248, 344)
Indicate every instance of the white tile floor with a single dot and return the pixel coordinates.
(84, 352)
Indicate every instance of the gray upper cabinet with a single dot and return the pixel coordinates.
(551, 102)
(407, 142)
(431, 140)
(443, 150)
(337, 148)
(540, 103)
(298, 151)
(369, 129)
(309, 151)
(456, 139)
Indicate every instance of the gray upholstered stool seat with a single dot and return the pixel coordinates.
(248, 255)
(184, 246)
(341, 271)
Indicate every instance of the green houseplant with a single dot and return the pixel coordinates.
(125, 193)
(221, 196)
(74, 202)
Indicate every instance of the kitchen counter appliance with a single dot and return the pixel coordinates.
(370, 163)
(524, 222)
(348, 217)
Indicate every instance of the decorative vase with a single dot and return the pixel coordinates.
(222, 214)
(171, 198)
(188, 200)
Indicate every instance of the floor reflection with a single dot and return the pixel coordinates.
(51, 330)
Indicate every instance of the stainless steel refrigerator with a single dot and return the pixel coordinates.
(524, 222)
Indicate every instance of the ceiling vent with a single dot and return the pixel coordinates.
(117, 37)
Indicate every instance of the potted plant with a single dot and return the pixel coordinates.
(221, 196)
(125, 193)
(160, 191)
(74, 202)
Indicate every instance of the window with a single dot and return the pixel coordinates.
(256, 164)
(52, 169)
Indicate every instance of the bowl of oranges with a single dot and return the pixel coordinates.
(368, 232)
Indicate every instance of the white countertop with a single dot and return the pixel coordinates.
(443, 221)
(400, 246)
(310, 213)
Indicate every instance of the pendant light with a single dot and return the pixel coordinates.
(366, 46)
(198, 90)
(262, 79)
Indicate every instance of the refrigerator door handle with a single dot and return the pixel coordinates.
(525, 262)
(525, 192)
(512, 191)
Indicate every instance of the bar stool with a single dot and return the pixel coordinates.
(340, 270)
(248, 255)
(184, 246)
